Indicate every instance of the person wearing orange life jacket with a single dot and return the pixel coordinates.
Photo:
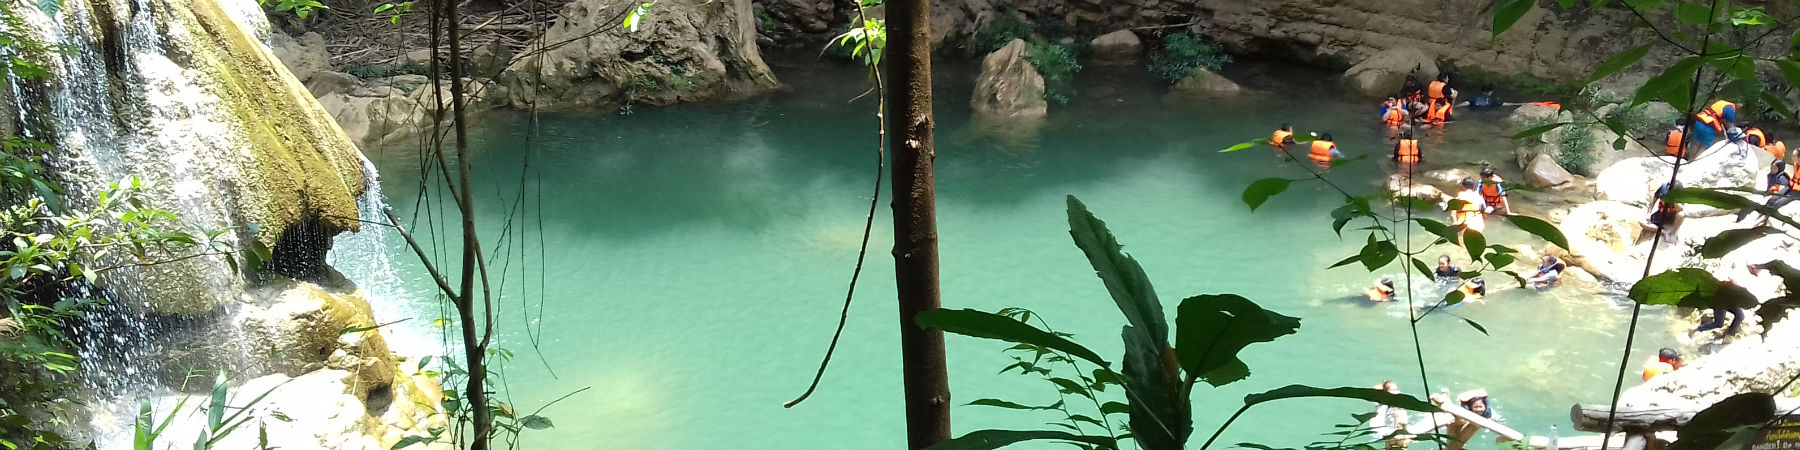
(1394, 114)
(1474, 289)
(1667, 360)
(1753, 135)
(1777, 148)
(1437, 113)
(1493, 192)
(1676, 142)
(1323, 150)
(1780, 188)
(1282, 137)
(1383, 291)
(1406, 151)
(1471, 213)
(1439, 92)
(1714, 120)
(1410, 89)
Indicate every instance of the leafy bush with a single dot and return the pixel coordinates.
(1058, 65)
(1001, 31)
(1575, 143)
(1181, 53)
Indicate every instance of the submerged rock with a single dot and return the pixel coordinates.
(1009, 87)
(1382, 74)
(1202, 83)
(1118, 48)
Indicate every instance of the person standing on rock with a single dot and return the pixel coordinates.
(1676, 142)
(1780, 189)
(1713, 121)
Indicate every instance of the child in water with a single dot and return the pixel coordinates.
(1549, 273)
(1383, 291)
(1446, 271)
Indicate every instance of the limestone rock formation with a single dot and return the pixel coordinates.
(232, 139)
(682, 52)
(1382, 74)
(1202, 83)
(324, 410)
(387, 110)
(1009, 87)
(1544, 173)
(303, 56)
(1604, 238)
(1635, 180)
(1119, 48)
(1598, 139)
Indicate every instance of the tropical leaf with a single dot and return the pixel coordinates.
(1690, 288)
(1259, 191)
(1124, 278)
(1723, 421)
(1211, 330)
(1619, 62)
(1540, 228)
(1508, 13)
(1723, 243)
(972, 323)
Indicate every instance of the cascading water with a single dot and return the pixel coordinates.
(363, 258)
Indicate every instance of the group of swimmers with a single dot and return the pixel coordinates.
(1548, 274)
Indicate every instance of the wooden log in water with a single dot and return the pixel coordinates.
(1631, 420)
(1490, 424)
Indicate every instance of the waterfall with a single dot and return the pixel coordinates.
(364, 258)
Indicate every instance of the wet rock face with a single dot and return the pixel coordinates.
(1382, 74)
(681, 53)
(1117, 48)
(1009, 87)
(1543, 172)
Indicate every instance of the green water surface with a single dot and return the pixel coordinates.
(694, 260)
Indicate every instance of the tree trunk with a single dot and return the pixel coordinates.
(475, 392)
(915, 221)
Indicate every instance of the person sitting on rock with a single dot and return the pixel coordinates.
(1666, 360)
(1780, 189)
(1549, 273)
(1493, 192)
(1665, 217)
(1446, 271)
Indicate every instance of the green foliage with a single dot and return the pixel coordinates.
(869, 39)
(1058, 65)
(394, 10)
(1180, 53)
(218, 425)
(1730, 423)
(1690, 288)
(301, 8)
(1002, 30)
(636, 18)
(1575, 148)
(17, 50)
(767, 22)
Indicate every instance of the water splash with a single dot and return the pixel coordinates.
(364, 258)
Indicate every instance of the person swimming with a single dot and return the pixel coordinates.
(1447, 271)
(1382, 291)
(1474, 289)
(1549, 273)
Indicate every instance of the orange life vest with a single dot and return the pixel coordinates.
(1549, 104)
(1279, 138)
(1321, 152)
(1438, 113)
(1762, 140)
(1777, 148)
(1718, 108)
(1469, 215)
(1407, 151)
(1468, 290)
(1655, 368)
(1794, 179)
(1436, 91)
(1665, 207)
(1490, 194)
(1674, 144)
(1706, 118)
(1396, 115)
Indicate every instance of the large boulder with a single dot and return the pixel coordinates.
(303, 328)
(1603, 239)
(1118, 47)
(1595, 140)
(1202, 83)
(681, 52)
(327, 82)
(1752, 364)
(1635, 180)
(303, 56)
(1382, 74)
(392, 109)
(1009, 87)
(1543, 172)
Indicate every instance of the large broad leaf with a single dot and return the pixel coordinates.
(1713, 426)
(993, 439)
(1259, 191)
(1690, 288)
(1244, 145)
(1211, 329)
(1619, 62)
(1679, 74)
(1694, 13)
(998, 403)
(1437, 228)
(1124, 278)
(1160, 417)
(1790, 69)
(1718, 245)
(215, 411)
(1359, 393)
(1377, 253)
(1723, 200)
(1474, 243)
(1508, 13)
(1774, 311)
(972, 323)
(1540, 228)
